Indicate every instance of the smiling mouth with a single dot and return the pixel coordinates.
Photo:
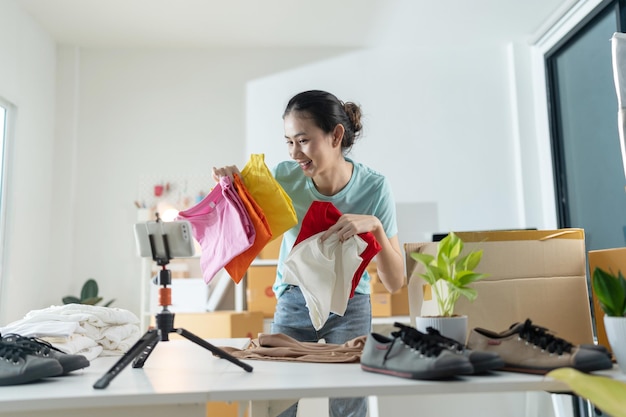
(305, 164)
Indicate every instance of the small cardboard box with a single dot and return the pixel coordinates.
(611, 260)
(388, 305)
(536, 274)
(223, 409)
(219, 324)
(259, 293)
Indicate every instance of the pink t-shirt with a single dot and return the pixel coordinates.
(222, 227)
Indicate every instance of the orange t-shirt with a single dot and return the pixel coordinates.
(238, 266)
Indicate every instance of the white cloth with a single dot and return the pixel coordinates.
(77, 344)
(114, 329)
(324, 272)
(618, 57)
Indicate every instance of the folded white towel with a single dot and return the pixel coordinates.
(115, 330)
(52, 328)
(76, 344)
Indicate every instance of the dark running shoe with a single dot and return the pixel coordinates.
(481, 361)
(19, 365)
(44, 349)
(526, 347)
(411, 355)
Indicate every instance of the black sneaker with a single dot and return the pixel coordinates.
(44, 349)
(481, 361)
(19, 365)
(411, 355)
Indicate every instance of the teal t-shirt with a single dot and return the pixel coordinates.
(367, 192)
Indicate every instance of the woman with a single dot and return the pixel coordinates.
(320, 130)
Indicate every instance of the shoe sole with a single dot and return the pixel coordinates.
(427, 375)
(543, 371)
(495, 364)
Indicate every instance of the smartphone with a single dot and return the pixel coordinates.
(179, 238)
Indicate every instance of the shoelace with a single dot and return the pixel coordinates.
(446, 341)
(539, 336)
(38, 346)
(12, 353)
(420, 342)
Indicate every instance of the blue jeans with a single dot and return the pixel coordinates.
(292, 318)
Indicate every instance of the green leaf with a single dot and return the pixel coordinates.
(468, 277)
(89, 290)
(70, 299)
(472, 260)
(92, 301)
(605, 393)
(422, 258)
(108, 303)
(611, 292)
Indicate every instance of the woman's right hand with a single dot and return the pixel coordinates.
(226, 171)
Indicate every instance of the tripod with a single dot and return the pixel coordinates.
(141, 350)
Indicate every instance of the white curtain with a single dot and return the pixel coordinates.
(618, 49)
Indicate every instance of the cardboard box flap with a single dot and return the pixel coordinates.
(509, 235)
(526, 254)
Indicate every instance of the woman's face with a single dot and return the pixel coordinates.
(309, 146)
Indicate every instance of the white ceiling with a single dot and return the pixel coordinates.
(290, 23)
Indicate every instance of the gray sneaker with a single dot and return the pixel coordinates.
(411, 355)
(526, 347)
(44, 349)
(18, 365)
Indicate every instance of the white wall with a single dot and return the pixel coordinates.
(128, 116)
(27, 79)
(438, 123)
(119, 116)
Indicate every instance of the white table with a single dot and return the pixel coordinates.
(180, 377)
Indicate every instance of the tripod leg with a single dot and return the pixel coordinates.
(216, 351)
(142, 357)
(150, 338)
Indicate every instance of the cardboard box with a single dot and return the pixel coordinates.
(259, 293)
(388, 305)
(223, 409)
(271, 250)
(536, 274)
(378, 288)
(219, 324)
(372, 270)
(611, 260)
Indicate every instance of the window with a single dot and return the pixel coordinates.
(589, 172)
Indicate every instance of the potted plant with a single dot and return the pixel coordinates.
(449, 273)
(88, 295)
(610, 289)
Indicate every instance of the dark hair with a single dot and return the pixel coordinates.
(327, 111)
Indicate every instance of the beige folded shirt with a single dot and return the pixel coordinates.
(280, 347)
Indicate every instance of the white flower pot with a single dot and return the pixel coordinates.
(616, 333)
(452, 327)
